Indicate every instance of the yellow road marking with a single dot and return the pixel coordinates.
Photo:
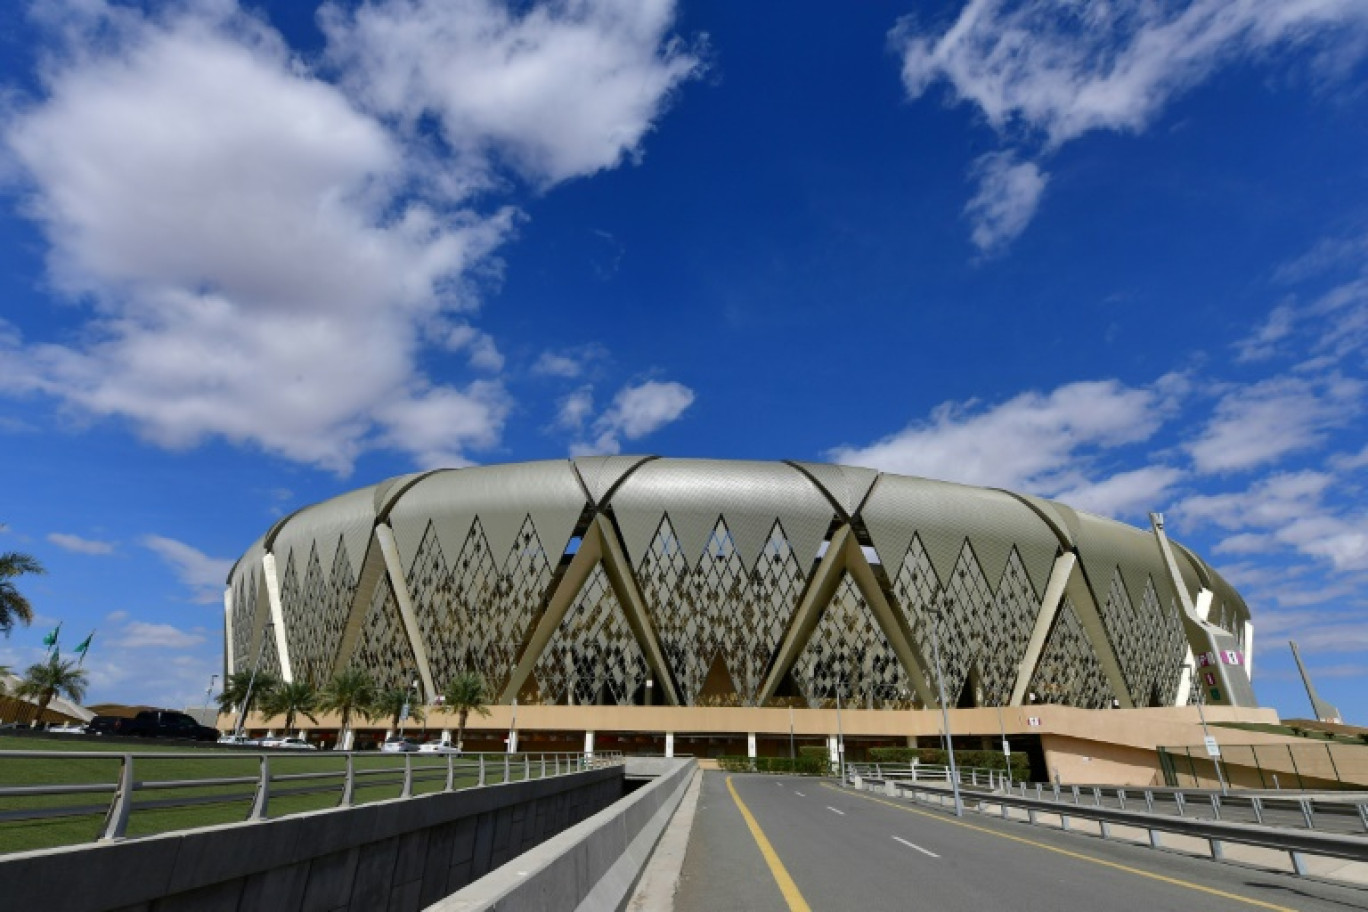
(787, 887)
(1139, 872)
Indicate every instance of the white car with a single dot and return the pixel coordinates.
(238, 739)
(438, 747)
(68, 728)
(291, 743)
(396, 745)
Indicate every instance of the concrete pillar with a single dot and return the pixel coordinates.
(589, 744)
(750, 745)
(669, 744)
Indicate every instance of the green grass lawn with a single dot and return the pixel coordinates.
(379, 777)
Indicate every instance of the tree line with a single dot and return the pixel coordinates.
(352, 693)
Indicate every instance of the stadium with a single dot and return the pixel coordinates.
(647, 597)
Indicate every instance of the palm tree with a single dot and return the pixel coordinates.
(235, 696)
(466, 693)
(4, 673)
(349, 691)
(391, 702)
(291, 699)
(53, 678)
(13, 605)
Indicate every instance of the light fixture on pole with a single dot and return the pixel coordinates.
(208, 692)
(945, 712)
(840, 734)
(1212, 748)
(404, 713)
(251, 682)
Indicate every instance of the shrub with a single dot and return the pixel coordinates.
(802, 766)
(936, 756)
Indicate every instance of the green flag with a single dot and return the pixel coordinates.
(85, 644)
(51, 638)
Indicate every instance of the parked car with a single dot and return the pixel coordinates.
(396, 745)
(166, 723)
(238, 739)
(109, 725)
(290, 743)
(438, 747)
(68, 728)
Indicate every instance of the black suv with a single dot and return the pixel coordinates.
(155, 723)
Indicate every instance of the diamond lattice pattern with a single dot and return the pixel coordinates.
(593, 657)
(1149, 642)
(316, 611)
(383, 647)
(720, 607)
(474, 612)
(848, 648)
(1068, 670)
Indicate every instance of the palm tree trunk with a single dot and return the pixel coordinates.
(460, 727)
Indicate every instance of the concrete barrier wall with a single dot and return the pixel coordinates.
(391, 855)
(592, 866)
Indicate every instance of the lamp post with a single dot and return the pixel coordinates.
(945, 712)
(840, 734)
(251, 682)
(404, 713)
(208, 691)
(1206, 732)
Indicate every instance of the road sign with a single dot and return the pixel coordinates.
(1213, 749)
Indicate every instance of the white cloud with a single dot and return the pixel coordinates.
(1046, 72)
(561, 89)
(439, 424)
(142, 635)
(1066, 69)
(636, 411)
(575, 409)
(1006, 201)
(205, 575)
(266, 256)
(1033, 441)
(1125, 493)
(1260, 423)
(80, 545)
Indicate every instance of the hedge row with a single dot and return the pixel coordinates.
(936, 756)
(805, 765)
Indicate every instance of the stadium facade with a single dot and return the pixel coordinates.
(624, 581)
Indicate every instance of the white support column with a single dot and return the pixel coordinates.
(268, 567)
(832, 750)
(1049, 607)
(228, 629)
(385, 536)
(750, 745)
(669, 744)
(589, 744)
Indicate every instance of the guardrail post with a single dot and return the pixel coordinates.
(557, 764)
(1031, 815)
(348, 784)
(1256, 803)
(1149, 802)
(1064, 822)
(1217, 849)
(1104, 829)
(1097, 796)
(1038, 792)
(1077, 799)
(1216, 805)
(1153, 838)
(505, 778)
(408, 777)
(1306, 813)
(1363, 815)
(1298, 863)
(1121, 798)
(451, 773)
(1056, 791)
(1178, 802)
(482, 770)
(263, 791)
(116, 818)
(527, 767)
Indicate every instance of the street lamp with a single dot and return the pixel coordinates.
(251, 682)
(945, 712)
(840, 735)
(404, 713)
(207, 692)
(1206, 732)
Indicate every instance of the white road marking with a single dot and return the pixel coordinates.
(800, 794)
(834, 811)
(912, 845)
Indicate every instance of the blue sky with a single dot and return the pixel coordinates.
(253, 256)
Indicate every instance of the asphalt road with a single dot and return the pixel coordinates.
(836, 849)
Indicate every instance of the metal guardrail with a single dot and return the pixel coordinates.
(264, 784)
(926, 772)
(1297, 843)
